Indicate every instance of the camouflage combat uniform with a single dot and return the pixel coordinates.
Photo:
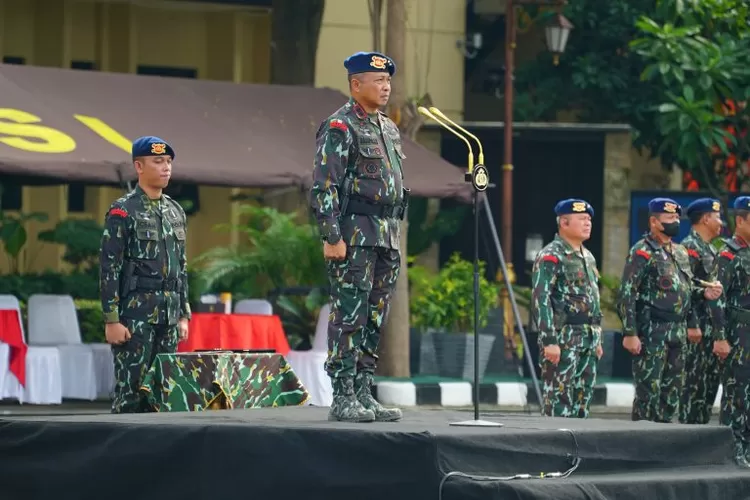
(368, 147)
(143, 285)
(655, 303)
(734, 326)
(701, 365)
(566, 312)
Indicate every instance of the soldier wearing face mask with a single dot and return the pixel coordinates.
(655, 305)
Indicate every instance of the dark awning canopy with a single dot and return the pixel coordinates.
(77, 126)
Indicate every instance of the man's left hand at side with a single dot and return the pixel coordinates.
(183, 324)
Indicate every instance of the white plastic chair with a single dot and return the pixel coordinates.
(309, 366)
(53, 322)
(43, 372)
(254, 306)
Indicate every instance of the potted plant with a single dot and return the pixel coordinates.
(444, 311)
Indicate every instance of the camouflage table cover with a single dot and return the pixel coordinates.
(198, 381)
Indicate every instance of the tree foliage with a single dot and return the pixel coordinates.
(597, 76)
(697, 54)
(669, 68)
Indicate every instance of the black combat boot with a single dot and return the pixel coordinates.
(363, 387)
(345, 406)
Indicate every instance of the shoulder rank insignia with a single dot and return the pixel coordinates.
(550, 258)
(338, 124)
(643, 253)
(727, 255)
(118, 212)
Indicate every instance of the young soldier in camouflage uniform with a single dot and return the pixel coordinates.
(734, 326)
(701, 364)
(654, 305)
(358, 197)
(144, 285)
(567, 314)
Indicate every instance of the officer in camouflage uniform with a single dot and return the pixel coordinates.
(655, 307)
(358, 198)
(567, 314)
(701, 364)
(144, 285)
(734, 326)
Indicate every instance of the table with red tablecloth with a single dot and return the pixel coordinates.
(11, 334)
(209, 331)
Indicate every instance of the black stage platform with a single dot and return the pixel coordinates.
(295, 453)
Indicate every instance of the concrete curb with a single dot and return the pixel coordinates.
(459, 394)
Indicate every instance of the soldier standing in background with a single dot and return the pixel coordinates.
(655, 307)
(701, 364)
(358, 198)
(143, 269)
(566, 312)
(733, 329)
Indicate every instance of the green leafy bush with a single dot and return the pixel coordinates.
(446, 303)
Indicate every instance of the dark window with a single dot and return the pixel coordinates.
(14, 60)
(11, 194)
(168, 71)
(84, 65)
(76, 197)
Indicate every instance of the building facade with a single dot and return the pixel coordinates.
(216, 40)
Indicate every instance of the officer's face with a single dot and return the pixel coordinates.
(155, 171)
(713, 223)
(577, 226)
(373, 88)
(742, 226)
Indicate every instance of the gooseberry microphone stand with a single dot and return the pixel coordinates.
(479, 178)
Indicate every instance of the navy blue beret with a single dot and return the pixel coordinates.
(703, 206)
(151, 146)
(664, 206)
(573, 206)
(742, 203)
(366, 62)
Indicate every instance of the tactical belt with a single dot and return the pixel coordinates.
(362, 207)
(157, 284)
(740, 315)
(582, 319)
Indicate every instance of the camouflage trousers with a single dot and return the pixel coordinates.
(735, 397)
(568, 387)
(701, 384)
(658, 377)
(361, 288)
(134, 358)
